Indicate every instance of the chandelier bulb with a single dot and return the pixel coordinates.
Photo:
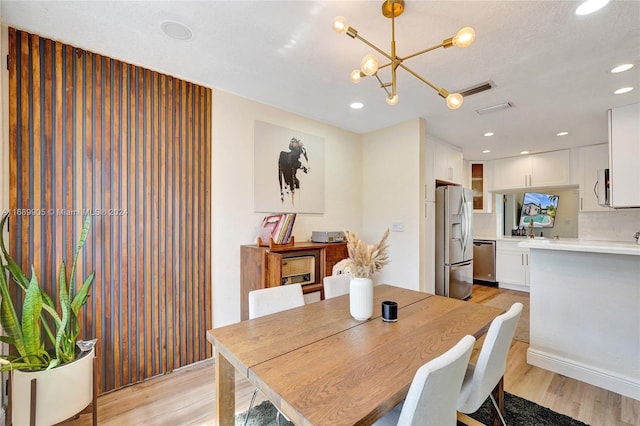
(356, 76)
(454, 100)
(392, 100)
(464, 37)
(369, 65)
(340, 25)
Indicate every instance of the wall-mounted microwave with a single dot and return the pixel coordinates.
(602, 187)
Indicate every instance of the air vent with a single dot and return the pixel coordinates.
(482, 87)
(494, 108)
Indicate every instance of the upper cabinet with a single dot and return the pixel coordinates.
(479, 178)
(624, 156)
(449, 165)
(592, 159)
(536, 170)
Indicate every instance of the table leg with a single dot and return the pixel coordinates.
(225, 391)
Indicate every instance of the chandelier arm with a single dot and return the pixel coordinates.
(413, 55)
(383, 85)
(373, 46)
(419, 77)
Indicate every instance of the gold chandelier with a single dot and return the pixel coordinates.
(369, 65)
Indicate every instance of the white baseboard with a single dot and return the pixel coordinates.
(518, 287)
(586, 373)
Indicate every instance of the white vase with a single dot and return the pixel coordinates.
(61, 392)
(361, 298)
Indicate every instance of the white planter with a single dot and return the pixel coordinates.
(361, 298)
(61, 392)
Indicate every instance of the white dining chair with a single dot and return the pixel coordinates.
(433, 393)
(270, 300)
(487, 374)
(336, 285)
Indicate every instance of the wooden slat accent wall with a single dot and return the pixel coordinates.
(133, 147)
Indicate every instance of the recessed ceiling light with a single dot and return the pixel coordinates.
(524, 152)
(591, 6)
(621, 68)
(176, 30)
(562, 134)
(486, 151)
(356, 105)
(623, 90)
(488, 134)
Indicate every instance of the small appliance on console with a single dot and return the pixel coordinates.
(327, 236)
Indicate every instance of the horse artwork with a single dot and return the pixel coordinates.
(288, 165)
(299, 159)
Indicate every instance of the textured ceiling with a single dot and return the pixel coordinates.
(551, 64)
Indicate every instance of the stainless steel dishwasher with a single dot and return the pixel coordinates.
(484, 262)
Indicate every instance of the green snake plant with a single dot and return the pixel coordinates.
(38, 345)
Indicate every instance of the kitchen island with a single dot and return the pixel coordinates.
(585, 311)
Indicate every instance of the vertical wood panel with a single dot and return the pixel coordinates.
(162, 105)
(130, 146)
(123, 347)
(59, 144)
(47, 153)
(170, 217)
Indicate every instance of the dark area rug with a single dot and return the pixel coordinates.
(519, 412)
(263, 414)
(522, 412)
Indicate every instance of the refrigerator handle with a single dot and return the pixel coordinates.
(465, 225)
(461, 265)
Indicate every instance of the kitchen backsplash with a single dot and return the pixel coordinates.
(484, 225)
(615, 225)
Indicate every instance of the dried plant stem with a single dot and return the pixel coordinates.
(365, 259)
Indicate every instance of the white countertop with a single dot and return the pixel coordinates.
(574, 244)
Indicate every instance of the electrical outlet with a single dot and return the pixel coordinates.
(397, 226)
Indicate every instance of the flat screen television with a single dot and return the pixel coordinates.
(538, 208)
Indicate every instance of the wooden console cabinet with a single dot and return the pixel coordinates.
(262, 267)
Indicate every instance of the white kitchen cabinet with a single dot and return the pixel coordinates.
(624, 156)
(510, 173)
(536, 170)
(592, 159)
(512, 265)
(449, 164)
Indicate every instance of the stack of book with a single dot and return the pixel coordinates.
(277, 227)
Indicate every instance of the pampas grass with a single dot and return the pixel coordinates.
(364, 259)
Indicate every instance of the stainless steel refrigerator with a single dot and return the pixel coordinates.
(454, 242)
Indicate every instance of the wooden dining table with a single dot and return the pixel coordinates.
(319, 366)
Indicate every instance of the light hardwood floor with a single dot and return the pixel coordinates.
(187, 396)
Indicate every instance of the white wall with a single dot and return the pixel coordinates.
(234, 221)
(484, 224)
(392, 191)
